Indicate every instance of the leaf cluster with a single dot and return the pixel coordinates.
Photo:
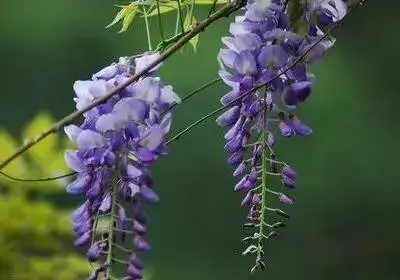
(35, 236)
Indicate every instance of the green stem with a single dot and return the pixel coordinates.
(180, 16)
(162, 45)
(210, 83)
(94, 228)
(123, 248)
(146, 20)
(212, 9)
(177, 23)
(192, 11)
(264, 187)
(114, 192)
(160, 27)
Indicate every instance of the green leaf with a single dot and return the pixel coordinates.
(126, 14)
(46, 156)
(8, 145)
(170, 6)
(41, 122)
(117, 18)
(129, 16)
(164, 8)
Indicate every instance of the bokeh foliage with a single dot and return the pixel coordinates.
(36, 234)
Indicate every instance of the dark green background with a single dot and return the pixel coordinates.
(344, 224)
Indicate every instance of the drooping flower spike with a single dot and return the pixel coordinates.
(116, 144)
(264, 41)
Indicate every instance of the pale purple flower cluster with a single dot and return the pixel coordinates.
(262, 44)
(116, 144)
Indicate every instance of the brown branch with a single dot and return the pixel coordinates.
(191, 94)
(223, 12)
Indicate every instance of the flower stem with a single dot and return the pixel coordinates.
(114, 192)
(180, 17)
(160, 27)
(192, 11)
(263, 192)
(146, 20)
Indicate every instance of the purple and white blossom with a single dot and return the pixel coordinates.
(262, 44)
(116, 144)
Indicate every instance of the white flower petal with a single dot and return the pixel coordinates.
(73, 161)
(72, 132)
(169, 96)
(89, 139)
(144, 61)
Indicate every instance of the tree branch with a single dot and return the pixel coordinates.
(223, 12)
(189, 95)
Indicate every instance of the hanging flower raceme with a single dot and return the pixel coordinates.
(116, 144)
(263, 44)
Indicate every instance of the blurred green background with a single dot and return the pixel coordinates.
(344, 224)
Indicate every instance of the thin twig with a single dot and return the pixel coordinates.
(38, 179)
(285, 5)
(224, 11)
(163, 45)
(111, 228)
(214, 4)
(191, 94)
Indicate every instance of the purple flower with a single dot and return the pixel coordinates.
(134, 272)
(288, 182)
(296, 92)
(148, 194)
(261, 45)
(285, 199)
(299, 127)
(247, 199)
(289, 172)
(285, 129)
(94, 252)
(135, 267)
(115, 146)
(141, 244)
(328, 11)
(229, 117)
(239, 169)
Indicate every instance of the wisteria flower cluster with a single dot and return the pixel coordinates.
(126, 112)
(263, 48)
(116, 144)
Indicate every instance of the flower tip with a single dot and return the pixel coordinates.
(285, 199)
(141, 244)
(149, 195)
